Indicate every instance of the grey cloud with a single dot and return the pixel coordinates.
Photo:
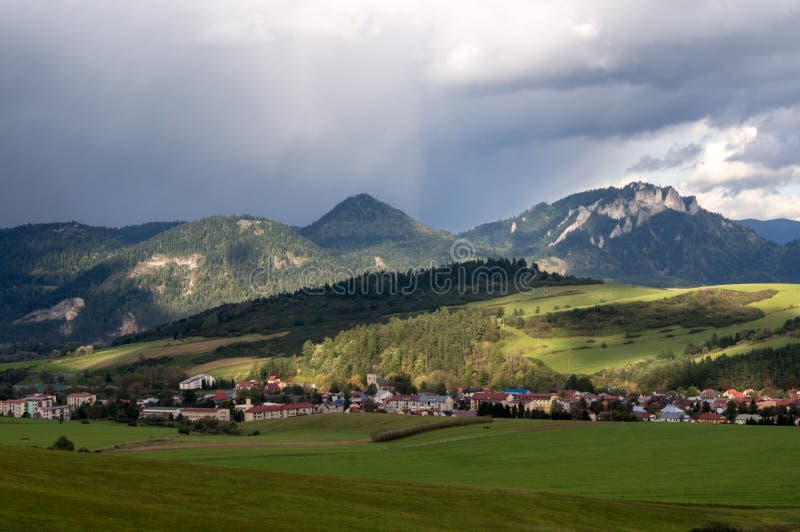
(675, 157)
(121, 113)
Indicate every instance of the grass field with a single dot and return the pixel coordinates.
(95, 435)
(637, 461)
(586, 354)
(54, 490)
(513, 475)
(105, 434)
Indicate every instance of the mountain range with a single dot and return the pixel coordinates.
(72, 282)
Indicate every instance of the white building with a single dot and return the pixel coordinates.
(76, 400)
(196, 382)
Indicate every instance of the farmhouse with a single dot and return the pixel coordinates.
(278, 411)
(76, 400)
(196, 382)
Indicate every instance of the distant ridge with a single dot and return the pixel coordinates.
(779, 230)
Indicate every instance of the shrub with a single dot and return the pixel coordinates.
(396, 434)
(63, 444)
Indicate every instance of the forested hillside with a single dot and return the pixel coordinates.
(442, 350)
(317, 313)
(37, 259)
(181, 271)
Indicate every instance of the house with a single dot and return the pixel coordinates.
(407, 403)
(379, 382)
(76, 400)
(437, 403)
(164, 412)
(329, 408)
(734, 394)
(743, 419)
(219, 396)
(541, 401)
(197, 382)
(712, 418)
(382, 396)
(709, 393)
(488, 396)
(195, 414)
(278, 411)
(246, 385)
(673, 414)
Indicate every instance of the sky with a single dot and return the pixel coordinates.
(458, 112)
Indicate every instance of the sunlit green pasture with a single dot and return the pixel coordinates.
(589, 354)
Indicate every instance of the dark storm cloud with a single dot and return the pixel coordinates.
(122, 113)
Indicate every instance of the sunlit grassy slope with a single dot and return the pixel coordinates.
(183, 353)
(584, 354)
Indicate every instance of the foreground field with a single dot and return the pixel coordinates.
(100, 492)
(638, 461)
(322, 472)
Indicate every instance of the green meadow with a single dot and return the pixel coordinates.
(637, 461)
(590, 354)
(318, 472)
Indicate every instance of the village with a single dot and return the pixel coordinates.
(249, 401)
